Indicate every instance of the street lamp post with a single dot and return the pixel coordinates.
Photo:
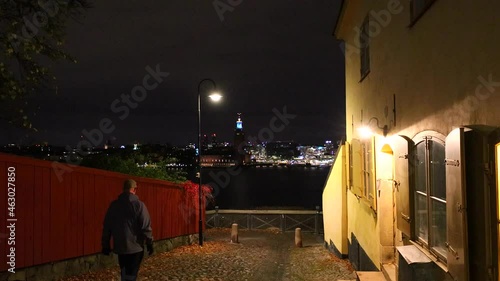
(215, 97)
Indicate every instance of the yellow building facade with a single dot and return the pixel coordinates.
(415, 185)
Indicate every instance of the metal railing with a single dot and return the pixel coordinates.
(285, 220)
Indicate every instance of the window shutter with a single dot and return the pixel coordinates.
(403, 151)
(348, 165)
(455, 205)
(357, 172)
(372, 192)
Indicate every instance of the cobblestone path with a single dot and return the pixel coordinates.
(259, 256)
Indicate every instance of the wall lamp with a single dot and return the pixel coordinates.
(367, 132)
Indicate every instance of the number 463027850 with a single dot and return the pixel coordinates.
(11, 190)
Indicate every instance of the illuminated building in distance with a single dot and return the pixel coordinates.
(239, 141)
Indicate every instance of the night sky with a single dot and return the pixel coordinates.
(264, 55)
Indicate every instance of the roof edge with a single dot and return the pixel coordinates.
(340, 16)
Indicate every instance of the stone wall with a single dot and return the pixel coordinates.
(60, 269)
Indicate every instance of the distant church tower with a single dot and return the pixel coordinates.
(239, 141)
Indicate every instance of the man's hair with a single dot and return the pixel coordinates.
(129, 184)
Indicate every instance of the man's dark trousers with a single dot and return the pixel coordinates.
(129, 265)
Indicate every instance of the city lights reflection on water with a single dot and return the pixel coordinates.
(271, 186)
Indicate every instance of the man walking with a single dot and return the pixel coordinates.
(127, 221)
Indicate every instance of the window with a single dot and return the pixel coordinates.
(364, 45)
(430, 196)
(362, 171)
(418, 8)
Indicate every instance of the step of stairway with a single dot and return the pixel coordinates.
(389, 271)
(370, 276)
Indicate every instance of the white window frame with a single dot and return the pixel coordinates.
(428, 245)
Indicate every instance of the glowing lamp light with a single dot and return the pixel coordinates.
(215, 97)
(365, 132)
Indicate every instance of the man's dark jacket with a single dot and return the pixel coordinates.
(128, 222)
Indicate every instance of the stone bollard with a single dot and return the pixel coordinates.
(298, 237)
(234, 233)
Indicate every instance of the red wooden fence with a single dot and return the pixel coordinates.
(60, 212)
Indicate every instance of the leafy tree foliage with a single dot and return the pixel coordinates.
(192, 192)
(133, 164)
(32, 34)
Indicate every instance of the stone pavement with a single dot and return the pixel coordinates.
(263, 255)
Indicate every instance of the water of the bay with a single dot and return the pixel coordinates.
(284, 187)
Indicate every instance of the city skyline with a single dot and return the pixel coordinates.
(117, 144)
(97, 137)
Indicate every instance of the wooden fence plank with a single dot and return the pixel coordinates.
(38, 216)
(57, 222)
(101, 204)
(80, 181)
(89, 242)
(164, 213)
(20, 214)
(153, 210)
(68, 219)
(28, 178)
(46, 218)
